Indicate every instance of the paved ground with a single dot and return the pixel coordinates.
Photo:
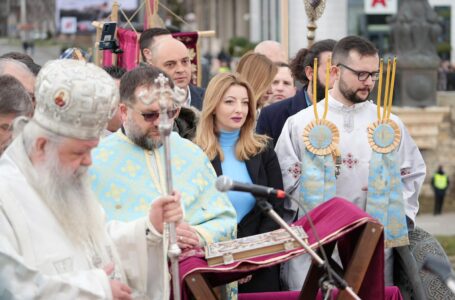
(41, 54)
(438, 225)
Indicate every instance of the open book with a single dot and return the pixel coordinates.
(253, 246)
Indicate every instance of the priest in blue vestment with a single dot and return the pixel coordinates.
(128, 171)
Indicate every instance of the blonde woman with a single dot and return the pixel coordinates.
(226, 134)
(259, 72)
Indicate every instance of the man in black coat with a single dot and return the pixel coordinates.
(172, 56)
(272, 117)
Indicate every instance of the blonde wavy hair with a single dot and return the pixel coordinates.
(207, 135)
(259, 71)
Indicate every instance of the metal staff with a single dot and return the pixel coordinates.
(169, 100)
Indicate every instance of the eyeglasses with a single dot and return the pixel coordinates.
(362, 75)
(154, 115)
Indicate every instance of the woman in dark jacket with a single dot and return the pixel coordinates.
(226, 134)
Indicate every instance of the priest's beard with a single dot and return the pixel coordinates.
(350, 94)
(68, 195)
(139, 137)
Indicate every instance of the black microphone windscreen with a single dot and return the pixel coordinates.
(223, 183)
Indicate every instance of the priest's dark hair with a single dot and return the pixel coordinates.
(141, 76)
(305, 57)
(352, 43)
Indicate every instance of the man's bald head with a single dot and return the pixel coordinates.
(273, 50)
(172, 57)
(19, 71)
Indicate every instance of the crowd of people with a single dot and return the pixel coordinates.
(83, 180)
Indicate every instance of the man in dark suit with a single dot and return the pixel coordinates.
(272, 117)
(172, 56)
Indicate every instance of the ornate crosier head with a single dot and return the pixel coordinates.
(314, 10)
(162, 92)
(168, 97)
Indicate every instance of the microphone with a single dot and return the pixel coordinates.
(224, 184)
(440, 268)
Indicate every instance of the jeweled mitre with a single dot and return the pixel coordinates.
(75, 99)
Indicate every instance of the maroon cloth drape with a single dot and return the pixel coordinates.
(334, 220)
(128, 41)
(391, 293)
(107, 58)
(190, 41)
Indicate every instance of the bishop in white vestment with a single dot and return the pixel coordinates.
(54, 243)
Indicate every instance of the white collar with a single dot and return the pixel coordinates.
(188, 98)
(338, 106)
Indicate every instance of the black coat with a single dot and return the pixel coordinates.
(263, 169)
(272, 118)
(197, 96)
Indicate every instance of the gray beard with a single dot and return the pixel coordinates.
(137, 136)
(68, 195)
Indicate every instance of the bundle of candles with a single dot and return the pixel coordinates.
(321, 136)
(384, 135)
(388, 95)
(315, 81)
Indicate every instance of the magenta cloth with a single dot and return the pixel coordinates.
(190, 41)
(335, 220)
(107, 58)
(128, 41)
(291, 295)
(391, 293)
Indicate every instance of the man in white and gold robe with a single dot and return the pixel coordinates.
(355, 69)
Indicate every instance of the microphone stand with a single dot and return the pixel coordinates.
(267, 208)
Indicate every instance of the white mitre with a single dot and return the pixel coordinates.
(75, 99)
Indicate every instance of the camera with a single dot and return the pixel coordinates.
(108, 41)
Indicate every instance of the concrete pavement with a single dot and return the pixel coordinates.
(443, 224)
(41, 54)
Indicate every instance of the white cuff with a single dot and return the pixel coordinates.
(152, 234)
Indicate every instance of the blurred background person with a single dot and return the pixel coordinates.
(25, 59)
(226, 134)
(272, 118)
(440, 184)
(19, 71)
(273, 50)
(14, 102)
(283, 85)
(259, 72)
